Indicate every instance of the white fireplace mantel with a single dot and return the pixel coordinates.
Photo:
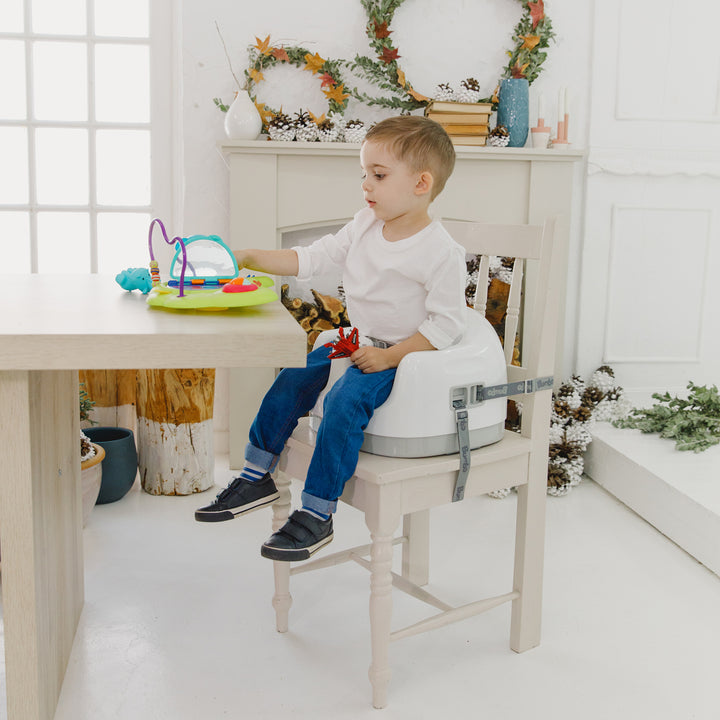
(276, 187)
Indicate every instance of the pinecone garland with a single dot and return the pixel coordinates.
(355, 131)
(469, 91)
(499, 136)
(444, 92)
(281, 127)
(305, 128)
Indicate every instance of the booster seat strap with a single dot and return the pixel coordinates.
(523, 387)
(461, 420)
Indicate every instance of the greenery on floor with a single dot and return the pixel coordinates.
(694, 422)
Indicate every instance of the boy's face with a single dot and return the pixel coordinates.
(390, 187)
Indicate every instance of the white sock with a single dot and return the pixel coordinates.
(252, 472)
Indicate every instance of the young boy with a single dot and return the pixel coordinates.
(404, 282)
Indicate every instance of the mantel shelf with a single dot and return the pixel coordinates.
(338, 149)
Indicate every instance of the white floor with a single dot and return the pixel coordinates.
(178, 622)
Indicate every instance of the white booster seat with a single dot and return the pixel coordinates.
(420, 417)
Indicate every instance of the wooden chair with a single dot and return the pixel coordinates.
(389, 489)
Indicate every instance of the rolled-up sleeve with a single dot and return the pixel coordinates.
(445, 303)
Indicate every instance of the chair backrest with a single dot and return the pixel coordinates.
(534, 291)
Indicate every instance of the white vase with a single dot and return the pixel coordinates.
(242, 120)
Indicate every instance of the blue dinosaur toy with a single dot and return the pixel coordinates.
(135, 279)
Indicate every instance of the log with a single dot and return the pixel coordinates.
(175, 430)
(113, 392)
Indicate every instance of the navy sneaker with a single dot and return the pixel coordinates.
(300, 537)
(240, 496)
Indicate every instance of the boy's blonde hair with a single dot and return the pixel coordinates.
(421, 143)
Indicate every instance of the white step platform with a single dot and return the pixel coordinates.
(676, 492)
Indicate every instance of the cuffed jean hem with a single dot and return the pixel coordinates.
(326, 507)
(262, 458)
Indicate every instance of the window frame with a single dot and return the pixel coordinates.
(165, 146)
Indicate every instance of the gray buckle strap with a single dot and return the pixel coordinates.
(522, 387)
(461, 420)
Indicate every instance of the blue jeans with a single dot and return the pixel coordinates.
(347, 409)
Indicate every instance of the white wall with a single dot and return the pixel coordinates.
(649, 303)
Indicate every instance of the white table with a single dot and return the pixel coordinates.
(51, 326)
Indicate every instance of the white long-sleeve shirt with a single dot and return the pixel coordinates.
(394, 289)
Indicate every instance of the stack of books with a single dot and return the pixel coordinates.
(466, 123)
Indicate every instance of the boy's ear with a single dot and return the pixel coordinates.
(424, 183)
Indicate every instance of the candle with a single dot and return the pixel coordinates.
(566, 115)
(561, 104)
(541, 107)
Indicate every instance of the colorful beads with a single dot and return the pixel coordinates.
(154, 273)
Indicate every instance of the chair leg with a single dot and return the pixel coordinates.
(529, 556)
(381, 556)
(416, 551)
(282, 600)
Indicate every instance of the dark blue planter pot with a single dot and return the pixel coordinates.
(120, 465)
(513, 109)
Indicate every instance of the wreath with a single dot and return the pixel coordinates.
(263, 56)
(531, 36)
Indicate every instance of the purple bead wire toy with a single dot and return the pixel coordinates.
(174, 241)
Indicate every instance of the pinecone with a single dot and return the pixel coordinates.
(583, 414)
(499, 136)
(444, 92)
(355, 131)
(327, 131)
(603, 378)
(281, 127)
(557, 478)
(305, 128)
(469, 91)
(561, 410)
(592, 396)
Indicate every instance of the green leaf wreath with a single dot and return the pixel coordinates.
(694, 423)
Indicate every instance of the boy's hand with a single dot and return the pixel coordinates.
(372, 359)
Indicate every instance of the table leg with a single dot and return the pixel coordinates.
(40, 535)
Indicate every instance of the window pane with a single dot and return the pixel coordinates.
(122, 241)
(12, 84)
(11, 16)
(15, 242)
(14, 163)
(63, 242)
(130, 18)
(122, 83)
(60, 81)
(59, 18)
(123, 167)
(62, 166)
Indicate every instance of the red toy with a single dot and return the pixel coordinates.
(344, 346)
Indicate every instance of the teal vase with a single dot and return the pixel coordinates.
(513, 109)
(120, 464)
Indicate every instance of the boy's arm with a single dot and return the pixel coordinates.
(372, 359)
(273, 262)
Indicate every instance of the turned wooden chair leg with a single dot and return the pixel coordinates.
(416, 551)
(380, 616)
(526, 613)
(282, 600)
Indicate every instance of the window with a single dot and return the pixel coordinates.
(85, 132)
